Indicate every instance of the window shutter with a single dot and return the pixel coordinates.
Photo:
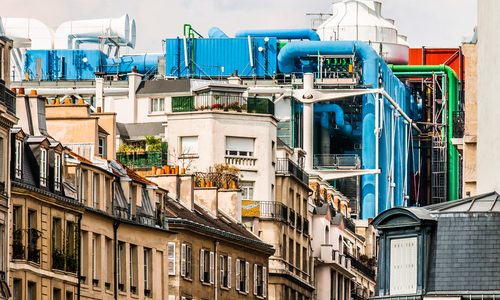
(264, 282)
(183, 260)
(171, 297)
(238, 265)
(247, 277)
(212, 267)
(202, 265)
(229, 272)
(255, 279)
(221, 273)
(171, 258)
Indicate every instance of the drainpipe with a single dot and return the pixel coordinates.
(452, 105)
(116, 224)
(216, 284)
(78, 287)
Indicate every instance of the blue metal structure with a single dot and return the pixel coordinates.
(394, 135)
(212, 57)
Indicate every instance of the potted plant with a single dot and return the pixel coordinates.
(217, 106)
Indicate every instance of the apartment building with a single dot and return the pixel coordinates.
(44, 219)
(7, 120)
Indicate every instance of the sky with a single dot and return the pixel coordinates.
(430, 23)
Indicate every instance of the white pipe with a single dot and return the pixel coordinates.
(308, 123)
(377, 146)
(186, 63)
(392, 184)
(250, 51)
(28, 33)
(80, 91)
(403, 114)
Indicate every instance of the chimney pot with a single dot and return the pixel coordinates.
(20, 91)
(33, 93)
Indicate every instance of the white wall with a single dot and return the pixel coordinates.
(488, 110)
(212, 129)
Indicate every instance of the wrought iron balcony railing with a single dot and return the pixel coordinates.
(7, 97)
(286, 166)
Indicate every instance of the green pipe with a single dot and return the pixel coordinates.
(417, 74)
(453, 167)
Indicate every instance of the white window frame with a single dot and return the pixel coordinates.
(19, 159)
(95, 196)
(225, 270)
(101, 150)
(240, 146)
(43, 167)
(57, 172)
(171, 258)
(247, 189)
(147, 265)
(239, 274)
(187, 261)
(263, 280)
(94, 257)
(156, 105)
(187, 150)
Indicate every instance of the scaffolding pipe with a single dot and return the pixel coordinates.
(452, 105)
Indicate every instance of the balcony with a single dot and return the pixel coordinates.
(8, 98)
(458, 124)
(328, 255)
(228, 103)
(361, 267)
(64, 261)
(287, 167)
(337, 161)
(240, 161)
(269, 210)
(142, 160)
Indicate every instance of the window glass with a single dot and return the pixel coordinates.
(189, 145)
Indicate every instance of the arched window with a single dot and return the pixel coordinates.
(327, 235)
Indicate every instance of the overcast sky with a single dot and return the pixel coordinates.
(431, 23)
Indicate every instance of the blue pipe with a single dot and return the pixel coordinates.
(144, 63)
(324, 109)
(216, 33)
(281, 34)
(289, 61)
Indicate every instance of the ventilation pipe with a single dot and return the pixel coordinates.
(28, 33)
(90, 31)
(417, 71)
(132, 35)
(394, 92)
(281, 34)
(216, 33)
(340, 121)
(144, 63)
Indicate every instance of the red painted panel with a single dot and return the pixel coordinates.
(438, 56)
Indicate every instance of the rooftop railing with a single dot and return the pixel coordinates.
(337, 161)
(229, 103)
(7, 97)
(142, 160)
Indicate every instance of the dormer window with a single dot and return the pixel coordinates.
(43, 167)
(57, 172)
(18, 159)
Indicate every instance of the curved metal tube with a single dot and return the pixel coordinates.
(282, 34)
(216, 33)
(344, 126)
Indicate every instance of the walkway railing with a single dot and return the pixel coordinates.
(337, 161)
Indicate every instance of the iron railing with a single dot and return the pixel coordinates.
(361, 267)
(231, 103)
(142, 160)
(270, 210)
(458, 124)
(337, 161)
(286, 166)
(7, 97)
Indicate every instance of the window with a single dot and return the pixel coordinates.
(259, 280)
(95, 191)
(69, 295)
(186, 261)
(171, 258)
(207, 265)
(19, 159)
(133, 269)
(83, 186)
(297, 255)
(33, 236)
(109, 263)
(238, 146)
(247, 188)
(17, 289)
(31, 290)
(3, 238)
(101, 147)
(304, 260)
(156, 105)
(403, 267)
(57, 294)
(147, 272)
(56, 234)
(189, 145)
(121, 266)
(95, 260)
(290, 254)
(283, 247)
(43, 167)
(57, 172)
(242, 270)
(225, 271)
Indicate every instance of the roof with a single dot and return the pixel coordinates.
(138, 131)
(129, 172)
(480, 203)
(220, 226)
(148, 87)
(221, 87)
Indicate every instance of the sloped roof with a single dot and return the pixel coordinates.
(149, 87)
(138, 131)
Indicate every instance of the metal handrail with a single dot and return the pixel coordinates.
(337, 161)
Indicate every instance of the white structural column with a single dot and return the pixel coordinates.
(308, 121)
(99, 93)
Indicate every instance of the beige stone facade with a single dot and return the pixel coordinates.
(470, 134)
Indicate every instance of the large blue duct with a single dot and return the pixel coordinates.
(281, 34)
(340, 121)
(216, 33)
(289, 61)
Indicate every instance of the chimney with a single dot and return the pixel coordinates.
(134, 80)
(99, 92)
(179, 187)
(207, 198)
(30, 109)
